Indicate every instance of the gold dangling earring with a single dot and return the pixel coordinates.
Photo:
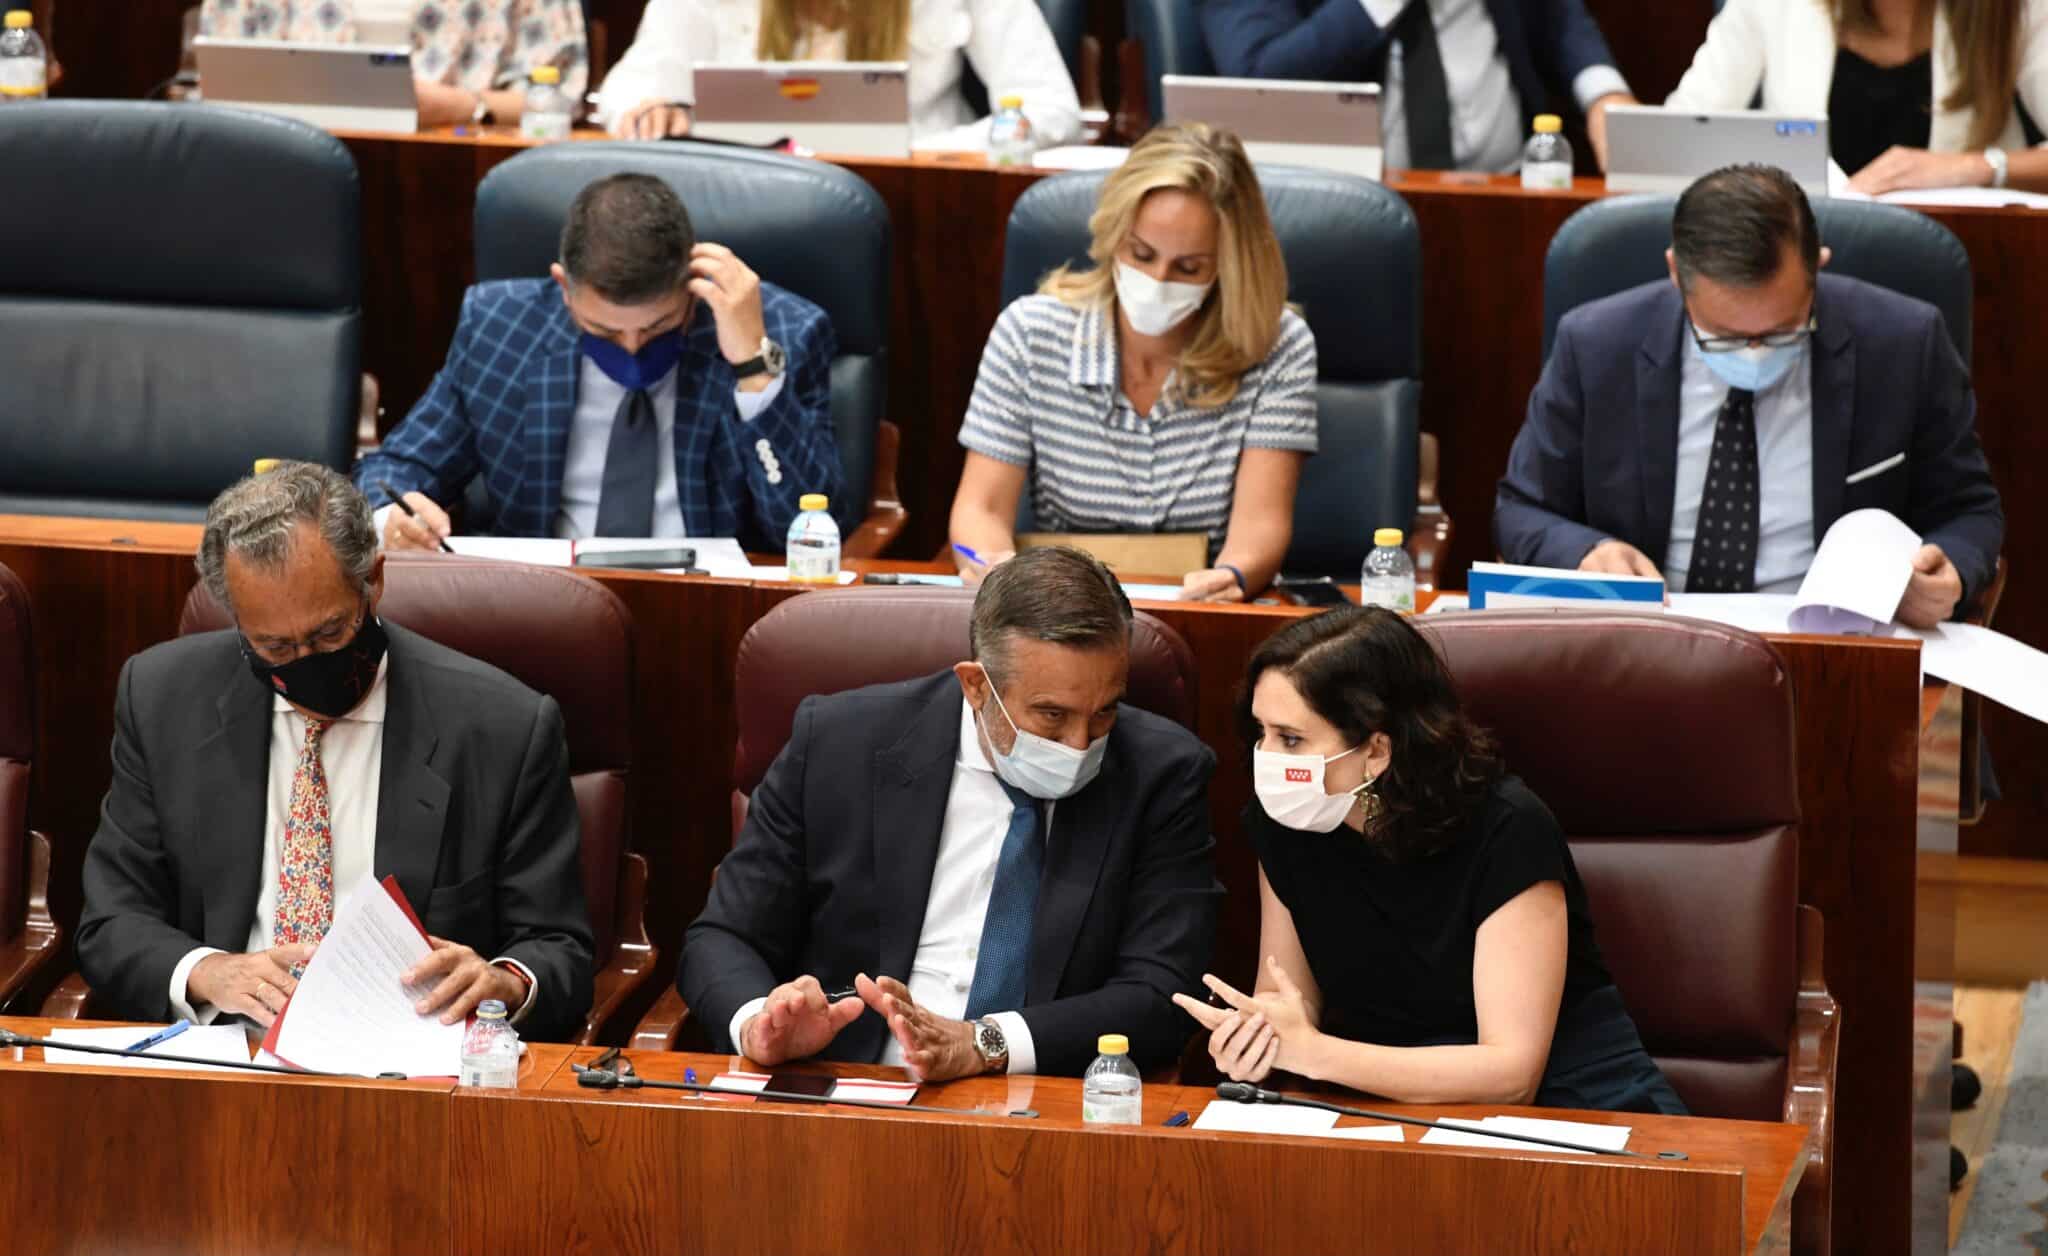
(1369, 800)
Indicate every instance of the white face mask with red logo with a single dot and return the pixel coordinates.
(1290, 788)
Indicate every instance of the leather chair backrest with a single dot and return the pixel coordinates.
(1665, 748)
(1614, 244)
(831, 641)
(1354, 265)
(1068, 20)
(180, 295)
(17, 746)
(807, 226)
(1170, 32)
(559, 633)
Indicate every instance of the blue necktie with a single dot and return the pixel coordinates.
(1004, 961)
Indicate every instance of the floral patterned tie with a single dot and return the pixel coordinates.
(305, 873)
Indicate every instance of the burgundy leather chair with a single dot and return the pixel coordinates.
(1665, 748)
(29, 938)
(572, 639)
(833, 640)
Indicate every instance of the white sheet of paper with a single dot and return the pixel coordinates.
(1368, 1133)
(1529, 601)
(2006, 671)
(1611, 1137)
(535, 551)
(746, 1083)
(1080, 157)
(869, 1090)
(227, 1044)
(1445, 602)
(1757, 612)
(1862, 566)
(1263, 1118)
(1154, 592)
(782, 573)
(351, 1014)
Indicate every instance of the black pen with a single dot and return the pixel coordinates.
(384, 486)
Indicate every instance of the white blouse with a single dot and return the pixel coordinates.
(1006, 41)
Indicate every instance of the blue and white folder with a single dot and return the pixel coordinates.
(1500, 585)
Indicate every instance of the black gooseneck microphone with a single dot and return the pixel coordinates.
(1245, 1092)
(9, 1038)
(608, 1079)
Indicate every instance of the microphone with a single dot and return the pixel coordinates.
(608, 1079)
(1245, 1092)
(9, 1038)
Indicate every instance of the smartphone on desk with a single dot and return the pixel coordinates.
(653, 558)
(1311, 590)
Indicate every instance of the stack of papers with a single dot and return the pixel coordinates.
(1605, 1137)
(227, 1044)
(718, 556)
(1272, 1118)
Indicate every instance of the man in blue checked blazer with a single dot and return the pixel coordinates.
(653, 386)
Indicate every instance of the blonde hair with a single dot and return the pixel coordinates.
(876, 30)
(1987, 52)
(1236, 328)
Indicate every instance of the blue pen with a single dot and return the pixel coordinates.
(970, 555)
(161, 1036)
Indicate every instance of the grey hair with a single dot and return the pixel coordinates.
(255, 519)
(1056, 594)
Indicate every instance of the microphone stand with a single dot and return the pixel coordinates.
(607, 1079)
(8, 1038)
(1244, 1092)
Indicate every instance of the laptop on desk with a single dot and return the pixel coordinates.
(1664, 150)
(850, 108)
(338, 87)
(1334, 126)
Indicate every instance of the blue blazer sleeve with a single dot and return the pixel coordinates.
(1540, 506)
(797, 426)
(1576, 42)
(1953, 503)
(1272, 39)
(434, 450)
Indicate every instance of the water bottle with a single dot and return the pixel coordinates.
(813, 550)
(1547, 160)
(490, 1048)
(1009, 134)
(24, 66)
(1112, 1093)
(1388, 578)
(548, 113)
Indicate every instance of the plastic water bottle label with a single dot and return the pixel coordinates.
(1112, 1109)
(812, 563)
(544, 126)
(22, 78)
(1547, 176)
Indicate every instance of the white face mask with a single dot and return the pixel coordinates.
(1044, 769)
(1153, 307)
(1290, 788)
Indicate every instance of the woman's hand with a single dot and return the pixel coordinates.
(1257, 1033)
(1899, 168)
(1214, 584)
(443, 105)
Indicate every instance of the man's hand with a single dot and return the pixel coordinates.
(1618, 558)
(461, 979)
(1211, 585)
(934, 1049)
(1596, 122)
(256, 986)
(1933, 590)
(654, 120)
(443, 105)
(404, 532)
(1899, 168)
(797, 1022)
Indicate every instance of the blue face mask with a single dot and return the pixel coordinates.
(1755, 368)
(635, 371)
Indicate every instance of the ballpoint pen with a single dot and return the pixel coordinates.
(161, 1036)
(969, 555)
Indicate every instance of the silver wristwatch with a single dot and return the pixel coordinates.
(771, 360)
(1995, 158)
(994, 1049)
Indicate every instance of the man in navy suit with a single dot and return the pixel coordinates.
(652, 387)
(1712, 428)
(1462, 79)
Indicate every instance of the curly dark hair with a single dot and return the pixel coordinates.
(1367, 670)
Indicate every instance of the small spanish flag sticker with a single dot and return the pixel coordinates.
(798, 88)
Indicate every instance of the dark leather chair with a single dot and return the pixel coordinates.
(812, 228)
(1354, 263)
(572, 639)
(1691, 864)
(1170, 34)
(184, 296)
(831, 641)
(29, 938)
(1619, 242)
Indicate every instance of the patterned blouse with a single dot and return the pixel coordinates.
(477, 45)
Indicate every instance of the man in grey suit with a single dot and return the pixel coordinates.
(262, 774)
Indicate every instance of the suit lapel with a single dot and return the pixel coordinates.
(1657, 401)
(1082, 827)
(412, 797)
(913, 778)
(233, 770)
(1834, 407)
(550, 413)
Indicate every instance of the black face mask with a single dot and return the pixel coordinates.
(331, 683)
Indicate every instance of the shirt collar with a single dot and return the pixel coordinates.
(1093, 361)
(369, 711)
(971, 754)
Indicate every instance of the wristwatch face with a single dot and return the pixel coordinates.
(772, 356)
(988, 1040)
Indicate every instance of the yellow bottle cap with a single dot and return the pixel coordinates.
(1112, 1044)
(17, 19)
(813, 501)
(1011, 102)
(548, 74)
(1548, 124)
(1387, 536)
(265, 465)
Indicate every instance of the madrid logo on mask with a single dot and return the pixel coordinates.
(1302, 775)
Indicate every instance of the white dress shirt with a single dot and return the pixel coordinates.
(970, 842)
(1486, 111)
(1784, 456)
(352, 759)
(1007, 42)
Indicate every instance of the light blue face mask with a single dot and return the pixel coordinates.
(1755, 368)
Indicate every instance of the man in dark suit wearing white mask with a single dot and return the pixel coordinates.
(1000, 860)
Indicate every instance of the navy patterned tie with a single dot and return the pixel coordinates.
(625, 500)
(1003, 964)
(1724, 545)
